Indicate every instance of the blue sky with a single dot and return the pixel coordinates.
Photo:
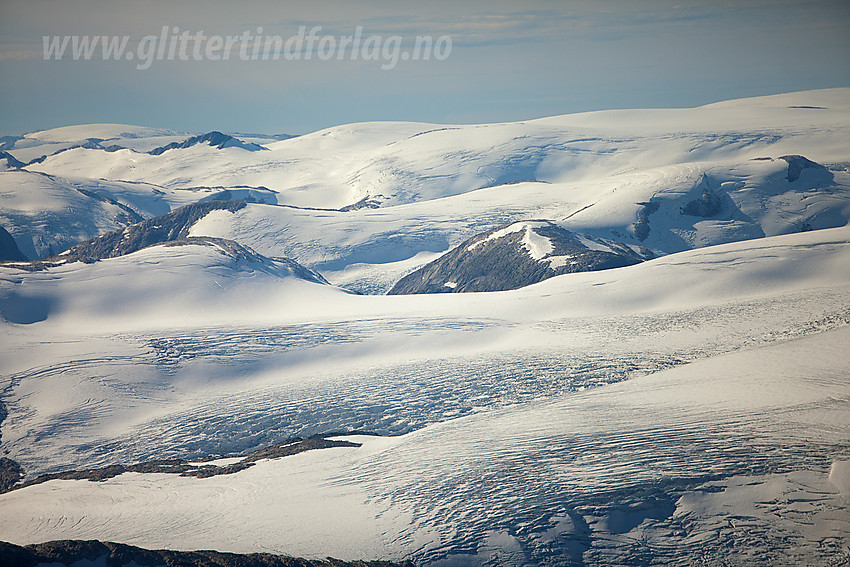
(508, 61)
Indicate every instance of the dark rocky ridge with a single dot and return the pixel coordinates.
(65, 553)
(641, 227)
(215, 139)
(164, 228)
(796, 165)
(496, 264)
(9, 251)
(11, 161)
(708, 205)
(170, 229)
(11, 472)
(8, 142)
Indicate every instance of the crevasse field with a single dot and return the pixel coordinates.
(690, 409)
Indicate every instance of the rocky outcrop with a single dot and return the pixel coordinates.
(215, 139)
(514, 256)
(642, 223)
(9, 251)
(11, 472)
(66, 553)
(11, 161)
(706, 206)
(169, 227)
(172, 229)
(796, 165)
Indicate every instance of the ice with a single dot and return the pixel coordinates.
(691, 408)
(610, 474)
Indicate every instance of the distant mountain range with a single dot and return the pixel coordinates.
(608, 338)
(614, 188)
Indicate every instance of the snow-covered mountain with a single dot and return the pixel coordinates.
(36, 147)
(515, 256)
(662, 379)
(623, 176)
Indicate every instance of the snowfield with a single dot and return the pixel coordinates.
(690, 409)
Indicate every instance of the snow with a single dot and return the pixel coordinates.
(559, 261)
(405, 162)
(47, 214)
(453, 490)
(677, 410)
(103, 131)
(536, 245)
(594, 171)
(592, 244)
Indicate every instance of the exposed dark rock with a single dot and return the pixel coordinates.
(215, 139)
(366, 202)
(706, 206)
(260, 194)
(65, 553)
(37, 160)
(8, 142)
(89, 144)
(9, 251)
(642, 224)
(11, 472)
(797, 163)
(168, 227)
(297, 445)
(499, 260)
(11, 161)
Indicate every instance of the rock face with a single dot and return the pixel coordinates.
(796, 165)
(172, 229)
(75, 552)
(11, 162)
(514, 256)
(12, 474)
(706, 206)
(9, 251)
(641, 226)
(215, 139)
(169, 227)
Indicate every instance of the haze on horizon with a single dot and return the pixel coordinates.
(506, 62)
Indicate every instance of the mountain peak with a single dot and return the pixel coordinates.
(516, 255)
(215, 139)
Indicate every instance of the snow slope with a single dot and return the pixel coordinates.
(34, 145)
(397, 163)
(46, 214)
(138, 139)
(740, 437)
(370, 249)
(692, 408)
(182, 313)
(624, 176)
